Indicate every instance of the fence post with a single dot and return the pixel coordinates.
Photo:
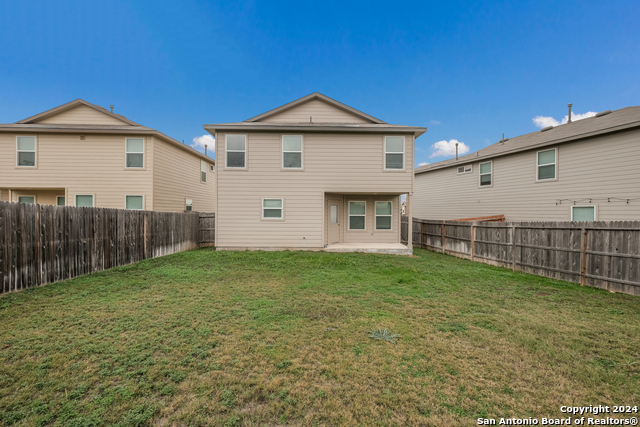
(443, 239)
(422, 245)
(514, 266)
(583, 257)
(473, 241)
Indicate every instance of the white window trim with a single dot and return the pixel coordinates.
(144, 157)
(35, 150)
(27, 195)
(202, 162)
(480, 174)
(301, 153)
(555, 164)
(595, 211)
(93, 199)
(349, 215)
(404, 152)
(65, 200)
(134, 195)
(375, 214)
(245, 151)
(463, 171)
(281, 209)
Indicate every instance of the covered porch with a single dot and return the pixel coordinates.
(365, 222)
(39, 195)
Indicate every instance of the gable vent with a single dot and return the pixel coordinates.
(546, 129)
(603, 113)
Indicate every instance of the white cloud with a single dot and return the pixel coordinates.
(448, 148)
(435, 122)
(543, 121)
(201, 141)
(423, 164)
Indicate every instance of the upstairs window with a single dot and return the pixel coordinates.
(485, 174)
(383, 215)
(135, 153)
(272, 208)
(464, 169)
(357, 215)
(188, 206)
(84, 201)
(134, 202)
(26, 151)
(236, 151)
(547, 164)
(583, 213)
(203, 171)
(394, 152)
(292, 151)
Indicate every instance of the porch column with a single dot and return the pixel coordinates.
(407, 209)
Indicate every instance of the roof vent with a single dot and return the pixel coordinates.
(603, 113)
(111, 108)
(546, 129)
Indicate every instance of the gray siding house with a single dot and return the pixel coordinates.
(580, 171)
(313, 174)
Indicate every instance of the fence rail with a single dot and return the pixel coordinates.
(600, 254)
(43, 244)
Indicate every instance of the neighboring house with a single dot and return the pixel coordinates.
(311, 174)
(80, 154)
(582, 171)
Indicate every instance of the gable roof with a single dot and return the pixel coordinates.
(321, 97)
(70, 105)
(258, 123)
(603, 123)
(127, 127)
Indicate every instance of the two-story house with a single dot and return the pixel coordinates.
(313, 174)
(80, 154)
(586, 170)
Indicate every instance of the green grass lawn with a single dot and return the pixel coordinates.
(281, 338)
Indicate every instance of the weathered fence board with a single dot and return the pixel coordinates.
(43, 244)
(207, 231)
(600, 254)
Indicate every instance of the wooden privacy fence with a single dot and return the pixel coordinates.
(600, 254)
(43, 244)
(207, 231)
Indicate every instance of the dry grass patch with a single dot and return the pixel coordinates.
(259, 338)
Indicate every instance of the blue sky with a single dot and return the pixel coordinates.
(467, 71)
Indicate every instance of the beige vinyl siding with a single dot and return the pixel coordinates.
(177, 177)
(320, 111)
(42, 197)
(82, 115)
(95, 165)
(333, 163)
(598, 168)
(4, 195)
(369, 234)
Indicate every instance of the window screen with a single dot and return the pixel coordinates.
(292, 152)
(394, 152)
(383, 215)
(135, 152)
(357, 215)
(236, 151)
(134, 202)
(272, 208)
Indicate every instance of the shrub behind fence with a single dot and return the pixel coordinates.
(43, 244)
